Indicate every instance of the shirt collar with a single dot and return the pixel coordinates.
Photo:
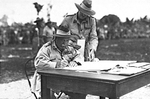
(75, 19)
(55, 47)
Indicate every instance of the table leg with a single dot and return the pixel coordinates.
(100, 97)
(114, 98)
(45, 92)
(52, 94)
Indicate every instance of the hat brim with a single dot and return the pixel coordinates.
(77, 46)
(87, 12)
(61, 33)
(47, 23)
(38, 20)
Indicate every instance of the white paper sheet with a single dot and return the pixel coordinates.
(101, 65)
(126, 71)
(139, 64)
(81, 42)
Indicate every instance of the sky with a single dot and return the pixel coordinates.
(24, 11)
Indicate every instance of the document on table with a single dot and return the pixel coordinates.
(111, 67)
(101, 65)
(126, 71)
(81, 42)
(144, 65)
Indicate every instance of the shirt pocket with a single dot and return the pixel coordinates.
(86, 33)
(87, 26)
(87, 29)
(74, 29)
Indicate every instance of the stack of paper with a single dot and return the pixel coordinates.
(126, 71)
(112, 67)
(101, 65)
(144, 65)
(81, 42)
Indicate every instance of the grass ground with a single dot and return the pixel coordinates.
(125, 49)
(13, 83)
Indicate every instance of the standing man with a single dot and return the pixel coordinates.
(48, 32)
(84, 25)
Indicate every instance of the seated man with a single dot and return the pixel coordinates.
(60, 53)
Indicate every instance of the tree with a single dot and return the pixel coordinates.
(38, 7)
(110, 19)
(4, 20)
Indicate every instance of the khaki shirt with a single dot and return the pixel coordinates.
(86, 30)
(48, 33)
(47, 57)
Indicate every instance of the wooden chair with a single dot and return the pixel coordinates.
(29, 71)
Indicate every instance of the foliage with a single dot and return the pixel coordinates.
(4, 20)
(110, 27)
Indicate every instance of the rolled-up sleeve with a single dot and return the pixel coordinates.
(93, 43)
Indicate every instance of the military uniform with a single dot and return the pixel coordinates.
(48, 33)
(85, 30)
(47, 57)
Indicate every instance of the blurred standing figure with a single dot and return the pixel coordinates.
(84, 25)
(37, 40)
(5, 37)
(48, 32)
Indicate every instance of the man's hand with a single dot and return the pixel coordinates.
(91, 55)
(73, 64)
(62, 64)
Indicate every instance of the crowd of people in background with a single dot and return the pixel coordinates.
(18, 33)
(21, 33)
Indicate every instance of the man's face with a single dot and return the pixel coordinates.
(82, 15)
(61, 43)
(49, 25)
(70, 46)
(69, 51)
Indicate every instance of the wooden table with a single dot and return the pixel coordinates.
(103, 85)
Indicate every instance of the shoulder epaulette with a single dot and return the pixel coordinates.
(92, 17)
(70, 15)
(47, 44)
